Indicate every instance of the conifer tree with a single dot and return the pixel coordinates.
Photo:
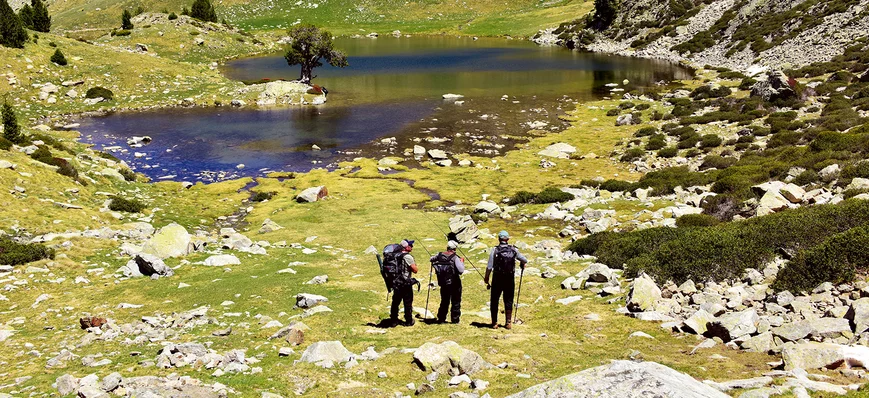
(12, 33)
(58, 58)
(203, 10)
(125, 20)
(41, 19)
(26, 16)
(11, 131)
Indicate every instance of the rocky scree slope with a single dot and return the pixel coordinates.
(737, 34)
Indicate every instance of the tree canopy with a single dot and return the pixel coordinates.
(309, 46)
(12, 33)
(126, 24)
(203, 10)
(26, 16)
(11, 131)
(40, 19)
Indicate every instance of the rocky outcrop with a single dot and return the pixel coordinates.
(172, 240)
(708, 34)
(624, 379)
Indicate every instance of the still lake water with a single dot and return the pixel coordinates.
(392, 88)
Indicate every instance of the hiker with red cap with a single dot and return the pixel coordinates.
(403, 284)
(502, 262)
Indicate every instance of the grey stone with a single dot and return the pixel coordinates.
(112, 382)
(643, 295)
(221, 260)
(624, 379)
(172, 240)
(859, 315)
(326, 351)
(447, 355)
(306, 300)
(733, 325)
(312, 194)
(152, 265)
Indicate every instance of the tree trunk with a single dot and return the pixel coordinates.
(306, 74)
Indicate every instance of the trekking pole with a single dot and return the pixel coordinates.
(473, 265)
(429, 290)
(516, 310)
(425, 316)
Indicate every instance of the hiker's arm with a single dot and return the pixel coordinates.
(522, 259)
(486, 279)
(414, 268)
(460, 265)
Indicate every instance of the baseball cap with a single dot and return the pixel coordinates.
(503, 235)
(406, 243)
(452, 245)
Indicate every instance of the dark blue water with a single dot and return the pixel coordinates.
(258, 139)
(392, 88)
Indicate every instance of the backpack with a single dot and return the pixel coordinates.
(504, 261)
(393, 270)
(445, 268)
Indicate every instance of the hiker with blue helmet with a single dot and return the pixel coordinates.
(403, 284)
(502, 263)
(449, 267)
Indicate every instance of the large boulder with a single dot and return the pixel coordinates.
(599, 273)
(464, 228)
(312, 194)
(775, 86)
(858, 314)
(442, 357)
(697, 322)
(323, 352)
(281, 92)
(733, 325)
(644, 294)
(624, 379)
(152, 265)
(813, 356)
(172, 240)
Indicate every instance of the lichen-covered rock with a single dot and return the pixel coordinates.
(447, 355)
(624, 379)
(644, 294)
(172, 240)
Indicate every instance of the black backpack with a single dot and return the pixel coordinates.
(394, 271)
(445, 268)
(504, 261)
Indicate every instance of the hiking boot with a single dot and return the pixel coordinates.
(494, 326)
(508, 326)
(455, 321)
(509, 323)
(409, 322)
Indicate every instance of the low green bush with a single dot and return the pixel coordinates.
(696, 220)
(626, 105)
(725, 250)
(100, 92)
(122, 32)
(618, 186)
(262, 196)
(613, 112)
(669, 152)
(129, 175)
(5, 144)
(13, 253)
(59, 58)
(173, 16)
(807, 177)
(710, 141)
(127, 205)
(646, 131)
(836, 260)
(642, 107)
(656, 142)
(632, 154)
(717, 162)
(548, 195)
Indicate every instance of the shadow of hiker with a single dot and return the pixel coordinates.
(386, 323)
(481, 325)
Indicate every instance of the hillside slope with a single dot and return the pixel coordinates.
(486, 17)
(728, 33)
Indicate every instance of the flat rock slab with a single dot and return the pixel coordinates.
(624, 379)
